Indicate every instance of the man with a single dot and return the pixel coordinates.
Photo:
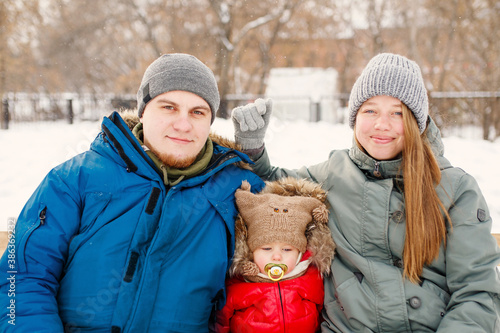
(136, 234)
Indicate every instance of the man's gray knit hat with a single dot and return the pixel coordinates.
(391, 75)
(177, 71)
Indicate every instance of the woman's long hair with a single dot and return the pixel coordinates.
(425, 222)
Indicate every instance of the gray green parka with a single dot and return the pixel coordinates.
(366, 291)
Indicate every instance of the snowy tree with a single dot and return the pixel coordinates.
(235, 22)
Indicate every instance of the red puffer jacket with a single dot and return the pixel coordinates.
(285, 306)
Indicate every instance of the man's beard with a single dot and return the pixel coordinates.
(175, 162)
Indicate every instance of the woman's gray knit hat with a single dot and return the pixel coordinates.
(177, 71)
(391, 75)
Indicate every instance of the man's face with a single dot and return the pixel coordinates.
(176, 126)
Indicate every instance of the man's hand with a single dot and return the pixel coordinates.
(251, 122)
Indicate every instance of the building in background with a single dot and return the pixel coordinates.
(308, 94)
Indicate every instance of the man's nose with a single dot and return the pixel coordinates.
(182, 123)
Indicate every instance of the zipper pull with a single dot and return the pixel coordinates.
(377, 173)
(42, 216)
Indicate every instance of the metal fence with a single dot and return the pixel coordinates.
(24, 107)
(465, 109)
(449, 109)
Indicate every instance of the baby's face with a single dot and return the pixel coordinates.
(276, 253)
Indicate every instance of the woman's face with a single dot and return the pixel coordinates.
(379, 127)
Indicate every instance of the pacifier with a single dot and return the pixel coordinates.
(275, 271)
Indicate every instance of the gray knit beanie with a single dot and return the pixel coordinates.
(178, 71)
(391, 75)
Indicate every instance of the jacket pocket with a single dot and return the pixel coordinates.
(24, 231)
(442, 294)
(95, 204)
(228, 214)
(352, 292)
(430, 306)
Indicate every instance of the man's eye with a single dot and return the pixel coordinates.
(200, 112)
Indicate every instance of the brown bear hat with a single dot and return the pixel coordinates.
(288, 210)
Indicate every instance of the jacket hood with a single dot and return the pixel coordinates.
(131, 118)
(320, 244)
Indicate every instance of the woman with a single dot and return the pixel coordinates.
(413, 234)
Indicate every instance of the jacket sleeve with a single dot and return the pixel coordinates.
(472, 256)
(40, 244)
(266, 171)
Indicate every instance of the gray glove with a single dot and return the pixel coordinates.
(250, 123)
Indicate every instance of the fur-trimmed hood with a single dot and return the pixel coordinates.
(319, 240)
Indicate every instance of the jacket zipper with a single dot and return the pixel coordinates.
(42, 216)
(282, 309)
(376, 172)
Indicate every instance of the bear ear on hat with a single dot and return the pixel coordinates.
(310, 203)
(246, 200)
(243, 194)
(245, 186)
(320, 214)
(317, 209)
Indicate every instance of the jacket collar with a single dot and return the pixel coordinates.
(372, 167)
(129, 152)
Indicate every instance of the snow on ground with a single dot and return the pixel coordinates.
(30, 150)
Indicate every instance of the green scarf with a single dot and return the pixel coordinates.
(172, 176)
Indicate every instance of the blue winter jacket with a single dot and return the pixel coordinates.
(103, 246)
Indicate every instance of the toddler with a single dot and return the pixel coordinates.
(283, 248)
